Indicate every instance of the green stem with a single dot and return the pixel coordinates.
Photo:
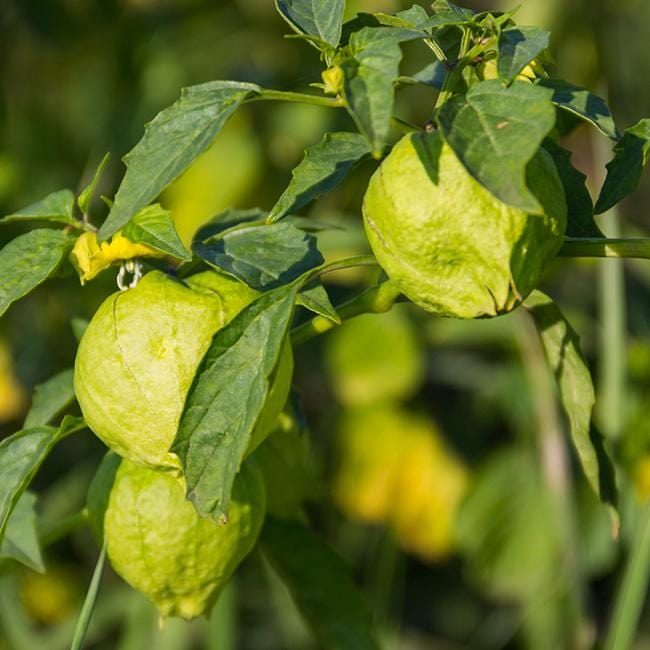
(300, 98)
(376, 300)
(601, 247)
(633, 589)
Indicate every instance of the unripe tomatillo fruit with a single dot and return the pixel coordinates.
(140, 352)
(449, 244)
(158, 543)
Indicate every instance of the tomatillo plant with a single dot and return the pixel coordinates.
(186, 370)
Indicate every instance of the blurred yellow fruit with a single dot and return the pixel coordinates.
(12, 394)
(395, 469)
(642, 478)
(51, 597)
(220, 178)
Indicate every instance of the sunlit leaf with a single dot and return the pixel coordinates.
(495, 131)
(28, 260)
(171, 142)
(227, 398)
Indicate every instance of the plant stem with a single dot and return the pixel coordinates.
(300, 98)
(610, 402)
(376, 300)
(601, 247)
(633, 589)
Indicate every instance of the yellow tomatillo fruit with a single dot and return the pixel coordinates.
(158, 543)
(449, 244)
(139, 354)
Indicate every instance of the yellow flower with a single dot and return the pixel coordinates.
(91, 258)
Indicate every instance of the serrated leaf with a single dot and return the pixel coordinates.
(264, 257)
(321, 585)
(20, 457)
(315, 298)
(20, 542)
(518, 46)
(28, 260)
(171, 142)
(321, 19)
(624, 171)
(580, 207)
(583, 104)
(369, 75)
(562, 346)
(323, 168)
(227, 398)
(56, 207)
(87, 194)
(50, 399)
(153, 226)
(495, 131)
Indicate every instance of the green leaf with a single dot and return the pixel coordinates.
(154, 227)
(20, 541)
(624, 171)
(322, 19)
(226, 220)
(227, 397)
(583, 104)
(495, 131)
(50, 399)
(83, 623)
(370, 74)
(580, 207)
(323, 168)
(99, 493)
(562, 346)
(57, 207)
(321, 585)
(518, 46)
(28, 260)
(315, 298)
(412, 18)
(86, 196)
(171, 142)
(447, 14)
(20, 457)
(264, 257)
(434, 75)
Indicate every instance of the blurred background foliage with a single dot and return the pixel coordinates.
(423, 431)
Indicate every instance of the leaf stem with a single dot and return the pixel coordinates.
(605, 247)
(300, 98)
(375, 300)
(633, 589)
